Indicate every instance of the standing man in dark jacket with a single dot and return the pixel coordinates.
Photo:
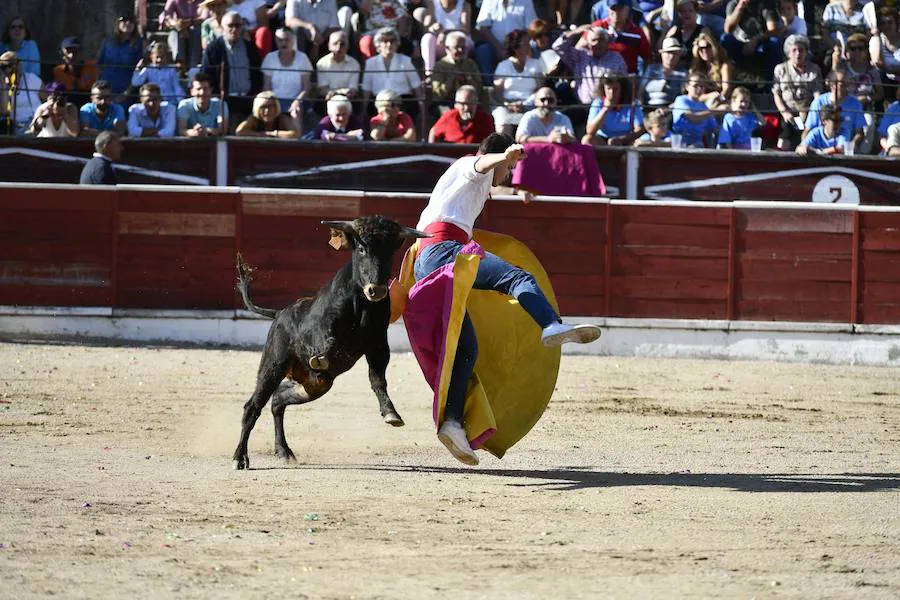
(233, 65)
(99, 170)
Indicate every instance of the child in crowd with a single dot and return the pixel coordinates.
(739, 125)
(160, 72)
(826, 138)
(657, 125)
(691, 118)
(890, 117)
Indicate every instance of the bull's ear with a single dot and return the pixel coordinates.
(410, 233)
(340, 239)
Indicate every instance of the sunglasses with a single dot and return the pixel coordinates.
(546, 99)
(703, 47)
(17, 26)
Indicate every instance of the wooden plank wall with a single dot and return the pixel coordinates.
(174, 249)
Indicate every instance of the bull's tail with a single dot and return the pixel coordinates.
(244, 278)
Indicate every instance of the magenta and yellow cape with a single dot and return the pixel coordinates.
(514, 375)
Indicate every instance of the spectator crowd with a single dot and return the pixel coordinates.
(797, 76)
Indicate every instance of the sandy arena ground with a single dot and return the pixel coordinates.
(644, 479)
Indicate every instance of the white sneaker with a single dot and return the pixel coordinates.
(453, 436)
(557, 334)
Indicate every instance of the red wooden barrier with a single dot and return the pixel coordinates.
(174, 248)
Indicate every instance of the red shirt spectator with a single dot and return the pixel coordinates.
(450, 128)
(625, 37)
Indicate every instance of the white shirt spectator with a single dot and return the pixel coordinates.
(338, 75)
(164, 123)
(247, 10)
(287, 82)
(519, 86)
(402, 76)
(26, 100)
(532, 125)
(322, 14)
(503, 16)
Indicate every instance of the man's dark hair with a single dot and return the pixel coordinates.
(495, 143)
(830, 112)
(201, 77)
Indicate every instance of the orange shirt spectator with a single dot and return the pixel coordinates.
(76, 74)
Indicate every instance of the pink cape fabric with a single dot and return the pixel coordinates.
(427, 317)
(559, 170)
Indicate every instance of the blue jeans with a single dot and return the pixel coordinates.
(496, 274)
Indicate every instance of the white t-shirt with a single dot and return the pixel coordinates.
(287, 82)
(247, 10)
(458, 197)
(519, 86)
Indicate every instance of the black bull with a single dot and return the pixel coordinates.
(314, 340)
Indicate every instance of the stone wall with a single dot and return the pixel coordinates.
(52, 20)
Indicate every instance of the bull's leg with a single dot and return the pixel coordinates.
(272, 369)
(378, 358)
(290, 392)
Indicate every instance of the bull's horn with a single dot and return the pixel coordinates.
(345, 226)
(411, 233)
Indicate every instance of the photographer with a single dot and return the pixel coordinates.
(20, 95)
(56, 117)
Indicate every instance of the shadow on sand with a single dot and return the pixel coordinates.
(567, 479)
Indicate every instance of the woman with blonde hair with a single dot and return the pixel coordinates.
(391, 123)
(267, 120)
(711, 60)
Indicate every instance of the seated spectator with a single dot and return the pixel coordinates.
(516, 80)
(852, 114)
(890, 117)
(747, 37)
(337, 72)
(797, 81)
(657, 135)
(211, 28)
(614, 120)
(686, 31)
(99, 169)
(391, 123)
(17, 38)
(625, 37)
(22, 92)
(555, 73)
(454, 71)
(438, 19)
(56, 117)
(711, 60)
(889, 36)
(589, 64)
(842, 19)
(544, 124)
(390, 70)
(288, 73)
(663, 82)
(467, 123)
(892, 141)
(267, 120)
(312, 21)
(118, 56)
(791, 24)
(151, 117)
(691, 118)
(381, 15)
(864, 82)
(741, 123)
(340, 125)
(201, 115)
(155, 68)
(496, 20)
(77, 74)
(181, 18)
(254, 14)
(825, 138)
(101, 113)
(237, 62)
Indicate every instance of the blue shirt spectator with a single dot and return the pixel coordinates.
(119, 54)
(818, 139)
(692, 133)
(736, 131)
(618, 120)
(89, 117)
(139, 119)
(189, 112)
(17, 38)
(891, 116)
(851, 112)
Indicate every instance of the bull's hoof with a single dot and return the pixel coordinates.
(394, 419)
(239, 464)
(285, 453)
(318, 363)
